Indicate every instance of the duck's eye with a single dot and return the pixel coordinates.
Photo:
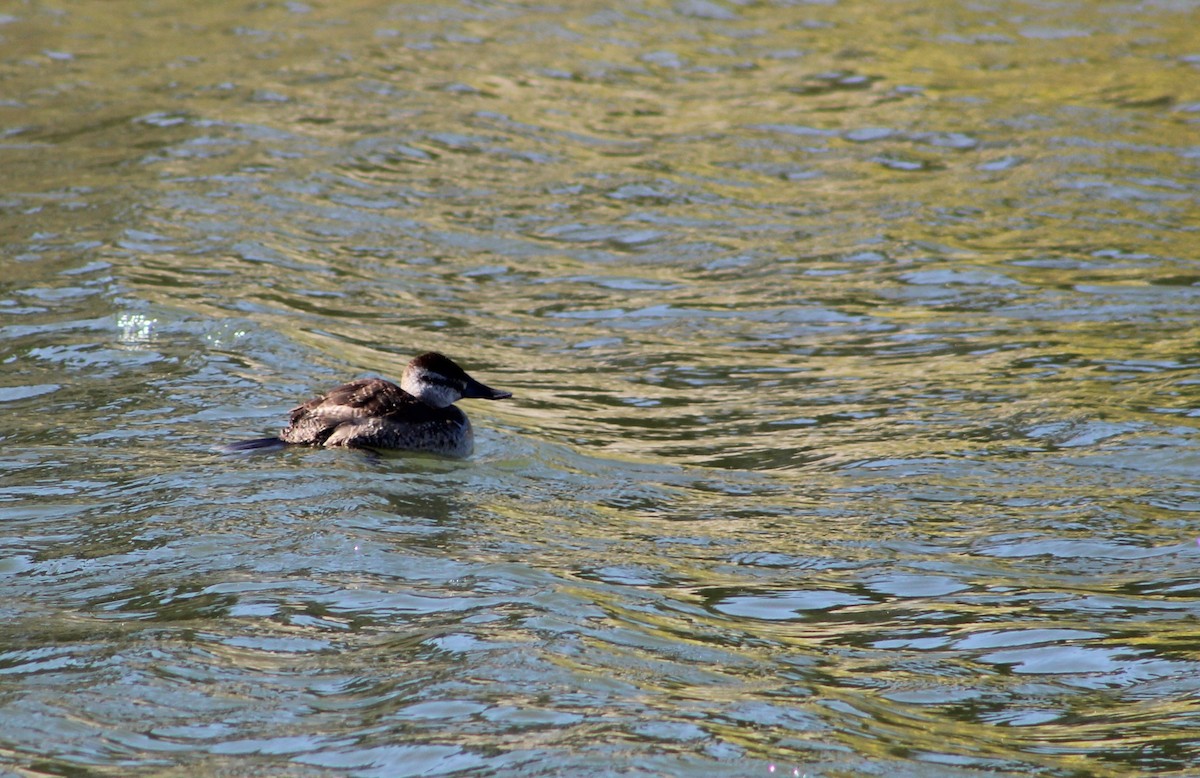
(445, 383)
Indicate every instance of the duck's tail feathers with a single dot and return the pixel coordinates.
(258, 444)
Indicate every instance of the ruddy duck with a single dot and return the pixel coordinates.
(371, 413)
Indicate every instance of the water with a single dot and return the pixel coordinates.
(853, 346)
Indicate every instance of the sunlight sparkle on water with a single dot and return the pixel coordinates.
(136, 328)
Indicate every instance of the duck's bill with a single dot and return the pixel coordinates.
(478, 391)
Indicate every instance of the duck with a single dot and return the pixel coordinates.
(376, 414)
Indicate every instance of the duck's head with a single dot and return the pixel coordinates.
(438, 382)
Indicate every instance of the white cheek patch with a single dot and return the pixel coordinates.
(430, 388)
(439, 396)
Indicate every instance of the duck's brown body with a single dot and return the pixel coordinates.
(374, 413)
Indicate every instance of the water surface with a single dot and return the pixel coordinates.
(855, 427)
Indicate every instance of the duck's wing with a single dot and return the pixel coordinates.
(363, 397)
(314, 421)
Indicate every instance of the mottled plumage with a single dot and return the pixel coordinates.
(377, 414)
